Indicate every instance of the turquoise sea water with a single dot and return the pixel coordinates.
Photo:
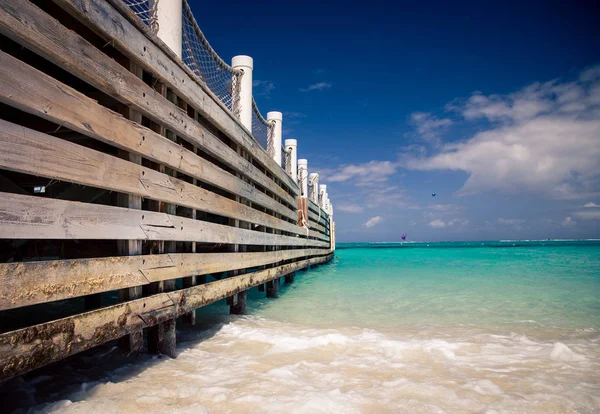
(499, 285)
(482, 327)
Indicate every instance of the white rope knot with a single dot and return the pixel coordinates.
(304, 222)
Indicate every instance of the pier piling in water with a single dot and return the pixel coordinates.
(273, 288)
(239, 307)
(129, 180)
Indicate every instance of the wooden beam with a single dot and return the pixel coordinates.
(35, 92)
(35, 153)
(35, 346)
(33, 28)
(25, 217)
(150, 52)
(323, 221)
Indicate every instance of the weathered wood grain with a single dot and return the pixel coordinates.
(31, 217)
(156, 57)
(322, 221)
(35, 153)
(39, 345)
(34, 92)
(33, 28)
(29, 283)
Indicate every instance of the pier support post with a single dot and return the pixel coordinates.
(133, 342)
(261, 287)
(273, 288)
(169, 15)
(275, 145)
(163, 338)
(188, 282)
(244, 100)
(313, 182)
(291, 145)
(289, 279)
(322, 195)
(239, 306)
(303, 177)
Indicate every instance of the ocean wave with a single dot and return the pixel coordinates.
(258, 365)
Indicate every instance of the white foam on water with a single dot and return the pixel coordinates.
(561, 352)
(259, 365)
(484, 387)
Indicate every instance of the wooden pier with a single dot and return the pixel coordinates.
(130, 195)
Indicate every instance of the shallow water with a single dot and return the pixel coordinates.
(421, 329)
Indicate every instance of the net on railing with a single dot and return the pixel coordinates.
(146, 11)
(287, 156)
(262, 129)
(300, 180)
(200, 57)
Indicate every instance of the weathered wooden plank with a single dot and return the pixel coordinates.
(30, 217)
(32, 347)
(29, 283)
(28, 25)
(32, 152)
(313, 206)
(150, 52)
(323, 220)
(34, 92)
(318, 227)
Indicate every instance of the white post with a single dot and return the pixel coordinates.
(245, 64)
(303, 177)
(169, 16)
(291, 145)
(322, 192)
(277, 119)
(314, 187)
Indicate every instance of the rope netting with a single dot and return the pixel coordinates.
(300, 180)
(214, 72)
(286, 154)
(261, 129)
(313, 185)
(201, 58)
(146, 11)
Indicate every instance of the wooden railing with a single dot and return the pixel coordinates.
(124, 183)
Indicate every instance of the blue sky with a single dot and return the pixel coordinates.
(494, 106)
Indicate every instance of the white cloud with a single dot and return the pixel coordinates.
(349, 208)
(510, 222)
(588, 215)
(568, 222)
(365, 174)
(458, 222)
(544, 138)
(437, 224)
(317, 87)
(382, 195)
(444, 207)
(262, 88)
(429, 126)
(373, 221)
(591, 205)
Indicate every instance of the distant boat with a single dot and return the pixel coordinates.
(404, 236)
